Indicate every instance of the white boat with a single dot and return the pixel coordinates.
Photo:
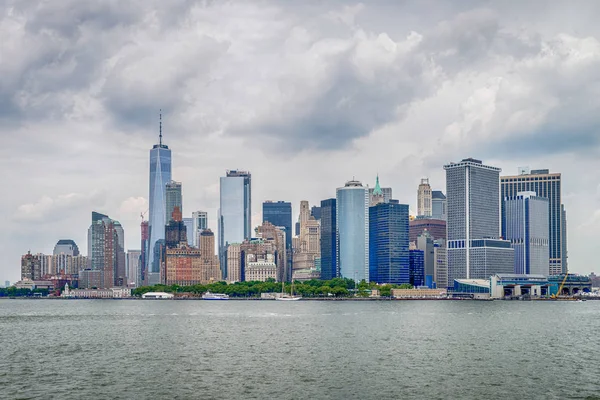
(287, 297)
(214, 296)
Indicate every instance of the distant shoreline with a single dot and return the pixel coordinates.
(303, 299)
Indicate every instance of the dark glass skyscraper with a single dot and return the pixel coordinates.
(279, 213)
(328, 239)
(160, 175)
(388, 247)
(417, 267)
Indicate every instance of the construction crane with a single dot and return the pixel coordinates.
(560, 288)
(142, 214)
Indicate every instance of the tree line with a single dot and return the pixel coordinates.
(337, 287)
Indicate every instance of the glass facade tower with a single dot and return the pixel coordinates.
(173, 199)
(279, 213)
(475, 250)
(547, 185)
(525, 225)
(328, 239)
(234, 222)
(352, 206)
(388, 243)
(160, 175)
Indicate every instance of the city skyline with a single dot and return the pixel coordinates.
(80, 143)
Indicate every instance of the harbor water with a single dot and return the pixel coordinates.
(141, 349)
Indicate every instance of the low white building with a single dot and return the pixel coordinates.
(112, 293)
(157, 295)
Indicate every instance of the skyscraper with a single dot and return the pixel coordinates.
(386, 192)
(425, 244)
(189, 228)
(133, 267)
(315, 211)
(474, 248)
(106, 255)
(388, 247)
(173, 199)
(525, 225)
(234, 212)
(352, 218)
(160, 175)
(547, 185)
(438, 205)
(424, 198)
(328, 239)
(199, 223)
(145, 236)
(416, 262)
(66, 246)
(279, 213)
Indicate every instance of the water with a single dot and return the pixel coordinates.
(106, 349)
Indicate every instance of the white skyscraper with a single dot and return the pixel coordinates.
(475, 250)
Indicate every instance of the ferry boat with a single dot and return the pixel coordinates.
(214, 296)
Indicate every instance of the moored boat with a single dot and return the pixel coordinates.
(215, 296)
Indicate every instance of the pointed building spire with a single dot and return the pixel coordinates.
(377, 191)
(160, 127)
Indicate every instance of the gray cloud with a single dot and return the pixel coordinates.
(319, 92)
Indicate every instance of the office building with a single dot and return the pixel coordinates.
(388, 243)
(416, 267)
(352, 207)
(438, 205)
(67, 247)
(386, 192)
(145, 239)
(258, 260)
(189, 229)
(440, 256)
(425, 244)
(424, 199)
(279, 213)
(160, 175)
(133, 267)
(234, 222)
(548, 185)
(199, 223)
(276, 235)
(31, 267)
(525, 224)
(315, 211)
(475, 250)
(105, 250)
(173, 198)
(328, 239)
(234, 263)
(435, 227)
(175, 231)
(186, 266)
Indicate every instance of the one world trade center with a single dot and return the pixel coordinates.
(160, 175)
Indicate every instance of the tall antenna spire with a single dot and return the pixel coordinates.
(160, 127)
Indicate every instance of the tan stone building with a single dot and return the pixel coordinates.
(424, 198)
(187, 265)
(271, 233)
(234, 262)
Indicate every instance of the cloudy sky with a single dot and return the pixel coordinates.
(305, 95)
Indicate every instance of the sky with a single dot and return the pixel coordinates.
(305, 95)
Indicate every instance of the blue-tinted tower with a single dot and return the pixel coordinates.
(160, 175)
(388, 243)
(352, 207)
(328, 239)
(279, 213)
